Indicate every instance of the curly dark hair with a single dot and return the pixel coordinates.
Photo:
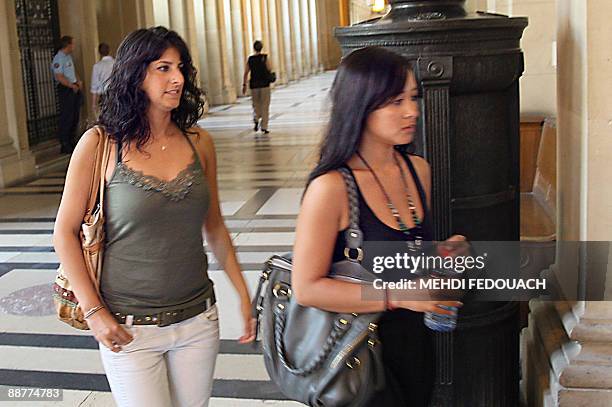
(124, 105)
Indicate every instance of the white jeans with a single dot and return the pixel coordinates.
(165, 366)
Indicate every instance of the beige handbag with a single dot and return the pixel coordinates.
(92, 242)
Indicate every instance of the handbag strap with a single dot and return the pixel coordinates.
(104, 166)
(96, 188)
(353, 235)
(339, 330)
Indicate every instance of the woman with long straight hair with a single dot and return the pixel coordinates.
(374, 112)
(155, 316)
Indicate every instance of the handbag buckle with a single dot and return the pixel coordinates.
(347, 254)
(281, 290)
(353, 363)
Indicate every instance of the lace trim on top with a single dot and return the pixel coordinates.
(175, 189)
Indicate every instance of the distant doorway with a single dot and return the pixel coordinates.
(38, 31)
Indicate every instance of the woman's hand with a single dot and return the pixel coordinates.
(248, 321)
(456, 245)
(107, 331)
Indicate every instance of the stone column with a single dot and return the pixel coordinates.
(247, 24)
(130, 17)
(282, 44)
(539, 82)
(288, 40)
(328, 17)
(305, 43)
(256, 20)
(314, 36)
(78, 19)
(239, 54)
(109, 16)
(183, 21)
(116, 19)
(144, 13)
(344, 7)
(322, 33)
(568, 345)
(198, 18)
(212, 40)
(16, 161)
(296, 37)
(228, 34)
(276, 43)
(229, 90)
(265, 26)
(161, 12)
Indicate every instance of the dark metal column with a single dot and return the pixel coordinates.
(434, 76)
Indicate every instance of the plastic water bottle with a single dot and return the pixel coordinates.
(441, 322)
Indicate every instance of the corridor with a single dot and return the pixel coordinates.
(261, 180)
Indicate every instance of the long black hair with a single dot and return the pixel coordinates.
(367, 79)
(124, 106)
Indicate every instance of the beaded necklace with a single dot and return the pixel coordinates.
(400, 223)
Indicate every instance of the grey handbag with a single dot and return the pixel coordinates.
(320, 358)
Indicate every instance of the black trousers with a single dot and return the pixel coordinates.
(408, 356)
(69, 104)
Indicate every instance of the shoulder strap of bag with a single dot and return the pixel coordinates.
(103, 166)
(99, 173)
(353, 235)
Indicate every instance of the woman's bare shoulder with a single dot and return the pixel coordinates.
(87, 145)
(200, 138)
(328, 190)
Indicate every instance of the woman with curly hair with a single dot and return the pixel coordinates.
(154, 316)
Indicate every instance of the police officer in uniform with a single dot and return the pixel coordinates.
(69, 93)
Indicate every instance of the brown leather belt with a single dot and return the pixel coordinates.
(165, 318)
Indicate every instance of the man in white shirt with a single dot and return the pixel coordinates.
(100, 73)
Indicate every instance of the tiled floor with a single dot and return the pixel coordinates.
(261, 180)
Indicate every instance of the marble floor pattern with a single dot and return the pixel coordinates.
(261, 179)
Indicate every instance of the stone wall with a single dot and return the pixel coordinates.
(568, 347)
(361, 11)
(539, 81)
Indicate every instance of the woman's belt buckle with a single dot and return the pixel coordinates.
(169, 318)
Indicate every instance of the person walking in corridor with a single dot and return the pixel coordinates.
(373, 117)
(154, 316)
(100, 73)
(259, 83)
(69, 92)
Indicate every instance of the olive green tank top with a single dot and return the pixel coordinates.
(154, 259)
